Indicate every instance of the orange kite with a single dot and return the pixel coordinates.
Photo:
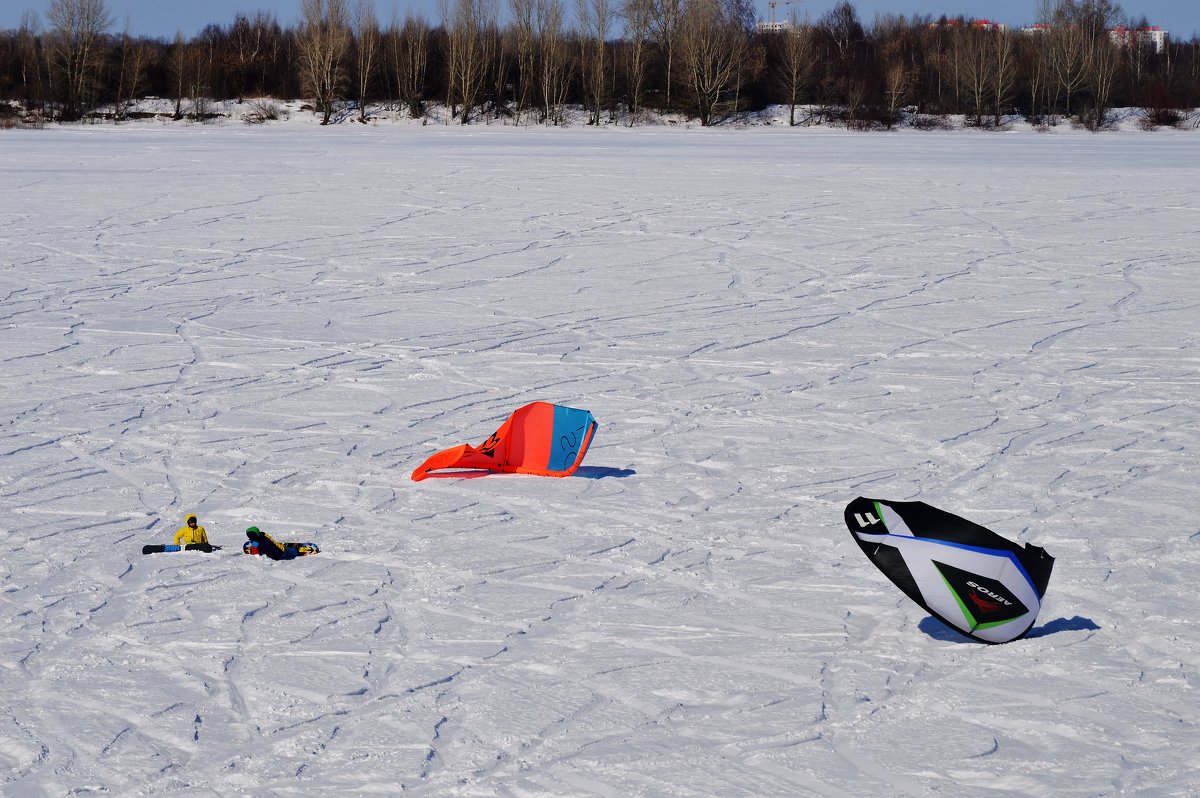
(539, 438)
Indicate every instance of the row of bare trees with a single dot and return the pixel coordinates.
(528, 60)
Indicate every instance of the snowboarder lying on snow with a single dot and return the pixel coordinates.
(192, 535)
(259, 542)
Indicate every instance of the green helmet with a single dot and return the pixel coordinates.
(252, 530)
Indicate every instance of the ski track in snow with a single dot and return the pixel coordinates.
(276, 326)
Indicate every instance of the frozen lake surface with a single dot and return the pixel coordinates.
(274, 326)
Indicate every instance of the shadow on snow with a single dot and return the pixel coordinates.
(940, 631)
(600, 472)
(587, 472)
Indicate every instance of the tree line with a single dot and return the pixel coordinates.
(527, 61)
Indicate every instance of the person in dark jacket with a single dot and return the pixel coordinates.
(259, 542)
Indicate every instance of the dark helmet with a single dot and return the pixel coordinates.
(252, 531)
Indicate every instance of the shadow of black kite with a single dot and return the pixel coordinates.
(940, 631)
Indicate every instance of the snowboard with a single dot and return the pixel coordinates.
(299, 549)
(159, 548)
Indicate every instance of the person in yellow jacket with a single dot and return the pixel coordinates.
(191, 533)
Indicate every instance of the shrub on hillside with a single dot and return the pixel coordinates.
(1154, 118)
(263, 110)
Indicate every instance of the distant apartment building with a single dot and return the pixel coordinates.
(1151, 36)
(771, 26)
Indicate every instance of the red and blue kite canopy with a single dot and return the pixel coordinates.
(539, 438)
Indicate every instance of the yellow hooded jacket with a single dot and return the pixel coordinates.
(187, 535)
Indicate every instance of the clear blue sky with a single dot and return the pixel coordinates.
(164, 17)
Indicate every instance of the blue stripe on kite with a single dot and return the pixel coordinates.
(978, 549)
(570, 430)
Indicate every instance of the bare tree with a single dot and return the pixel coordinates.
(177, 61)
(595, 19)
(77, 29)
(713, 45)
(1065, 48)
(844, 57)
(524, 42)
(753, 61)
(1102, 61)
(1003, 75)
(409, 49)
(841, 23)
(323, 41)
(33, 67)
(186, 66)
(1036, 66)
(1136, 57)
(468, 50)
(969, 54)
(897, 82)
(795, 63)
(201, 64)
(1103, 66)
(637, 15)
(890, 35)
(255, 43)
(986, 66)
(135, 58)
(366, 34)
(753, 67)
(854, 90)
(1189, 71)
(246, 43)
(554, 59)
(498, 57)
(666, 19)
(450, 45)
(897, 46)
(1081, 54)
(935, 41)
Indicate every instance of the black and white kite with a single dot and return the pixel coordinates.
(966, 575)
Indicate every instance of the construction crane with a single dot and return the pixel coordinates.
(773, 3)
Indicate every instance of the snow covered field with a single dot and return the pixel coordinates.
(275, 325)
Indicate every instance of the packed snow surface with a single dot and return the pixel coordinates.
(275, 325)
